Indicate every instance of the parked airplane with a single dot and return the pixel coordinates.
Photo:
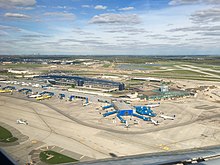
(36, 85)
(85, 104)
(153, 105)
(154, 122)
(24, 84)
(16, 83)
(127, 124)
(21, 121)
(34, 96)
(167, 117)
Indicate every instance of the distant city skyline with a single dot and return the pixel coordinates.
(110, 27)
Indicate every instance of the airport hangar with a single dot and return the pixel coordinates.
(81, 81)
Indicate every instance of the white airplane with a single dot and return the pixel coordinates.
(34, 96)
(24, 84)
(154, 122)
(13, 82)
(127, 124)
(85, 104)
(36, 85)
(152, 105)
(6, 82)
(168, 117)
(21, 121)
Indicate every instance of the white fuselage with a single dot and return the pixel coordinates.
(167, 117)
(22, 122)
(154, 122)
(85, 104)
(34, 96)
(152, 105)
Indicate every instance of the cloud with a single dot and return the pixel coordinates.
(188, 2)
(198, 39)
(88, 42)
(111, 18)
(82, 32)
(183, 2)
(63, 7)
(61, 15)
(212, 31)
(196, 28)
(100, 7)
(86, 6)
(17, 15)
(215, 34)
(121, 37)
(24, 8)
(127, 29)
(11, 28)
(206, 15)
(41, 6)
(3, 33)
(126, 8)
(14, 3)
(35, 36)
(97, 7)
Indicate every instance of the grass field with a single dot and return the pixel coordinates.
(106, 65)
(56, 158)
(6, 136)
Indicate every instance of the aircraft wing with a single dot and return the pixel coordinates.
(205, 156)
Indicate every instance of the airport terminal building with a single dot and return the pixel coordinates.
(82, 81)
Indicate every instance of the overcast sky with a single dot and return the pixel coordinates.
(110, 27)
